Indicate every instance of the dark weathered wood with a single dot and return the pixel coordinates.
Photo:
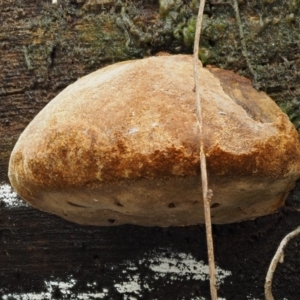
(36, 247)
(44, 47)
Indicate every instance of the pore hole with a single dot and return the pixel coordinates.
(111, 221)
(214, 205)
(75, 205)
(171, 205)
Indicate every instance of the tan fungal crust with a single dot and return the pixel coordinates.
(120, 145)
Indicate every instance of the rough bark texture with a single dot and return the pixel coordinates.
(38, 247)
(45, 47)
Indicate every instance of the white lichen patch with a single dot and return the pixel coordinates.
(175, 266)
(132, 286)
(64, 287)
(184, 265)
(9, 198)
(133, 279)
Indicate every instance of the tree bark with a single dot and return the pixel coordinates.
(44, 47)
(36, 247)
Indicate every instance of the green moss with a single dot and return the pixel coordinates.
(206, 55)
(38, 55)
(188, 32)
(294, 5)
(169, 6)
(103, 34)
(292, 109)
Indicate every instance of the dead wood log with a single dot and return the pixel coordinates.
(44, 47)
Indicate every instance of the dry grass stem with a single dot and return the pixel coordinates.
(207, 194)
(278, 257)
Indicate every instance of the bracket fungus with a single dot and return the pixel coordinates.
(121, 145)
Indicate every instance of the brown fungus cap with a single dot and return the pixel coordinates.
(121, 145)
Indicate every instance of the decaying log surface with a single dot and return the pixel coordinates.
(37, 247)
(44, 47)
